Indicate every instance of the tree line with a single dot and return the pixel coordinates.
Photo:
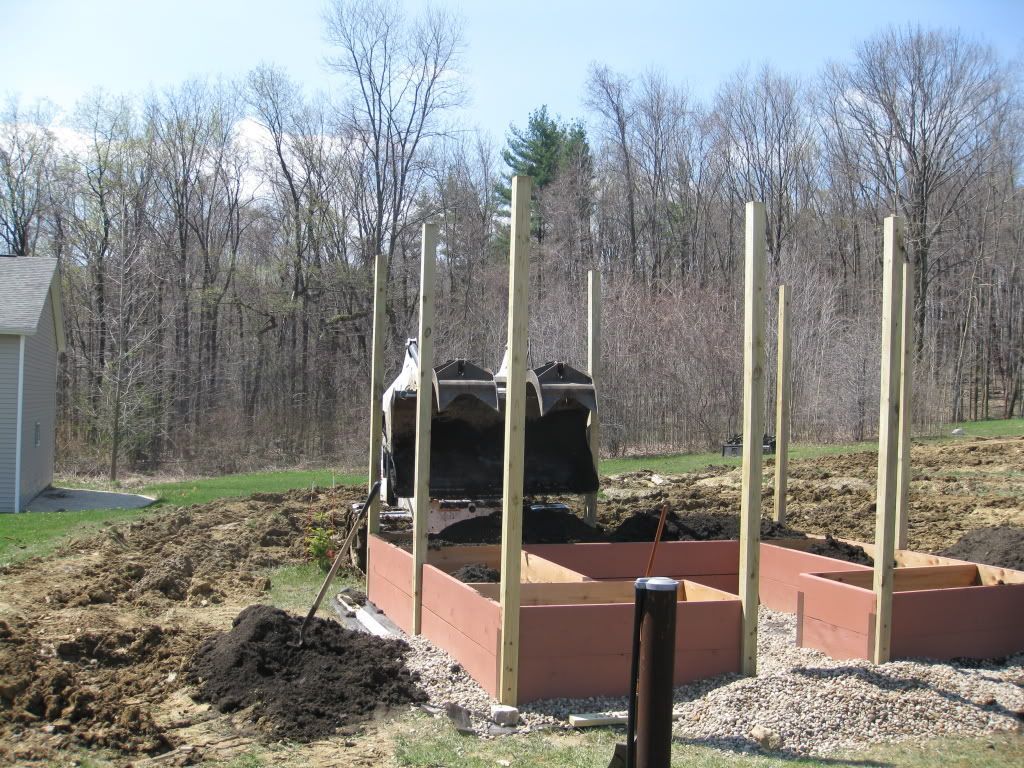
(217, 241)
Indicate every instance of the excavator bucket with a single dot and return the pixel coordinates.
(467, 429)
(559, 400)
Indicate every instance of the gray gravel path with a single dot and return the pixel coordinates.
(808, 703)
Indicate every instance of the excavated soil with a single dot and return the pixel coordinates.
(955, 488)
(335, 677)
(94, 638)
(1001, 545)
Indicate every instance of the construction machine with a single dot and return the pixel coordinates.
(467, 429)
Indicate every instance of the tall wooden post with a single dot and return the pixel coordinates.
(593, 366)
(888, 424)
(783, 392)
(515, 433)
(424, 401)
(380, 296)
(753, 431)
(903, 471)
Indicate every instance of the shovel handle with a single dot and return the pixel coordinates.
(337, 560)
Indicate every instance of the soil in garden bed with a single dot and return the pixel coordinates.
(477, 573)
(840, 550)
(335, 678)
(998, 545)
(548, 526)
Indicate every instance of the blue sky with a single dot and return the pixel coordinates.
(520, 54)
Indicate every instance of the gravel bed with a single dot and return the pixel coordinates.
(806, 702)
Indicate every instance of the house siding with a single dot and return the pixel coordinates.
(9, 353)
(40, 406)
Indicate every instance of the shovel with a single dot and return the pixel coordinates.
(337, 562)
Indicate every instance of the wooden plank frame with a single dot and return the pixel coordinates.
(424, 402)
(888, 425)
(903, 470)
(380, 297)
(753, 431)
(515, 434)
(783, 393)
(594, 369)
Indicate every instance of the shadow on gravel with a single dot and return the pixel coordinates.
(892, 682)
(749, 747)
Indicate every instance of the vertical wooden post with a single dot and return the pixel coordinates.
(424, 401)
(380, 296)
(888, 423)
(515, 433)
(753, 431)
(906, 404)
(783, 392)
(593, 367)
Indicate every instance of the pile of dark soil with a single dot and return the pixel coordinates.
(693, 526)
(840, 550)
(477, 573)
(540, 526)
(999, 545)
(337, 677)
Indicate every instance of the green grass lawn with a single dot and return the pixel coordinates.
(694, 462)
(37, 533)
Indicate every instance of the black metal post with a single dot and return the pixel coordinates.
(655, 673)
(634, 667)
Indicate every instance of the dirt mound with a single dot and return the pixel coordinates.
(540, 526)
(89, 687)
(93, 638)
(477, 573)
(840, 550)
(693, 526)
(999, 545)
(337, 677)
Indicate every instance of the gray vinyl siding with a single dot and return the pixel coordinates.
(9, 347)
(40, 406)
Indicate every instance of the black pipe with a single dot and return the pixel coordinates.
(655, 673)
(638, 614)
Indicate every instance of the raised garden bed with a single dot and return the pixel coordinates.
(574, 630)
(942, 609)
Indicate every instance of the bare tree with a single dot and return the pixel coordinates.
(403, 75)
(916, 110)
(26, 144)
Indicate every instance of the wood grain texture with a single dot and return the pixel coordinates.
(783, 393)
(888, 421)
(594, 369)
(903, 471)
(515, 433)
(753, 429)
(424, 401)
(380, 297)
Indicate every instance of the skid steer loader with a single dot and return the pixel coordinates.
(468, 428)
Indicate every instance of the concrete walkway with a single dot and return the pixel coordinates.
(76, 499)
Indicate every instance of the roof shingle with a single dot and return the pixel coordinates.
(24, 284)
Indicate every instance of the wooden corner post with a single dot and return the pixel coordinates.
(888, 424)
(783, 393)
(753, 431)
(424, 401)
(593, 366)
(380, 296)
(515, 434)
(906, 404)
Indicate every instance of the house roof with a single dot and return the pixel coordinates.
(25, 282)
